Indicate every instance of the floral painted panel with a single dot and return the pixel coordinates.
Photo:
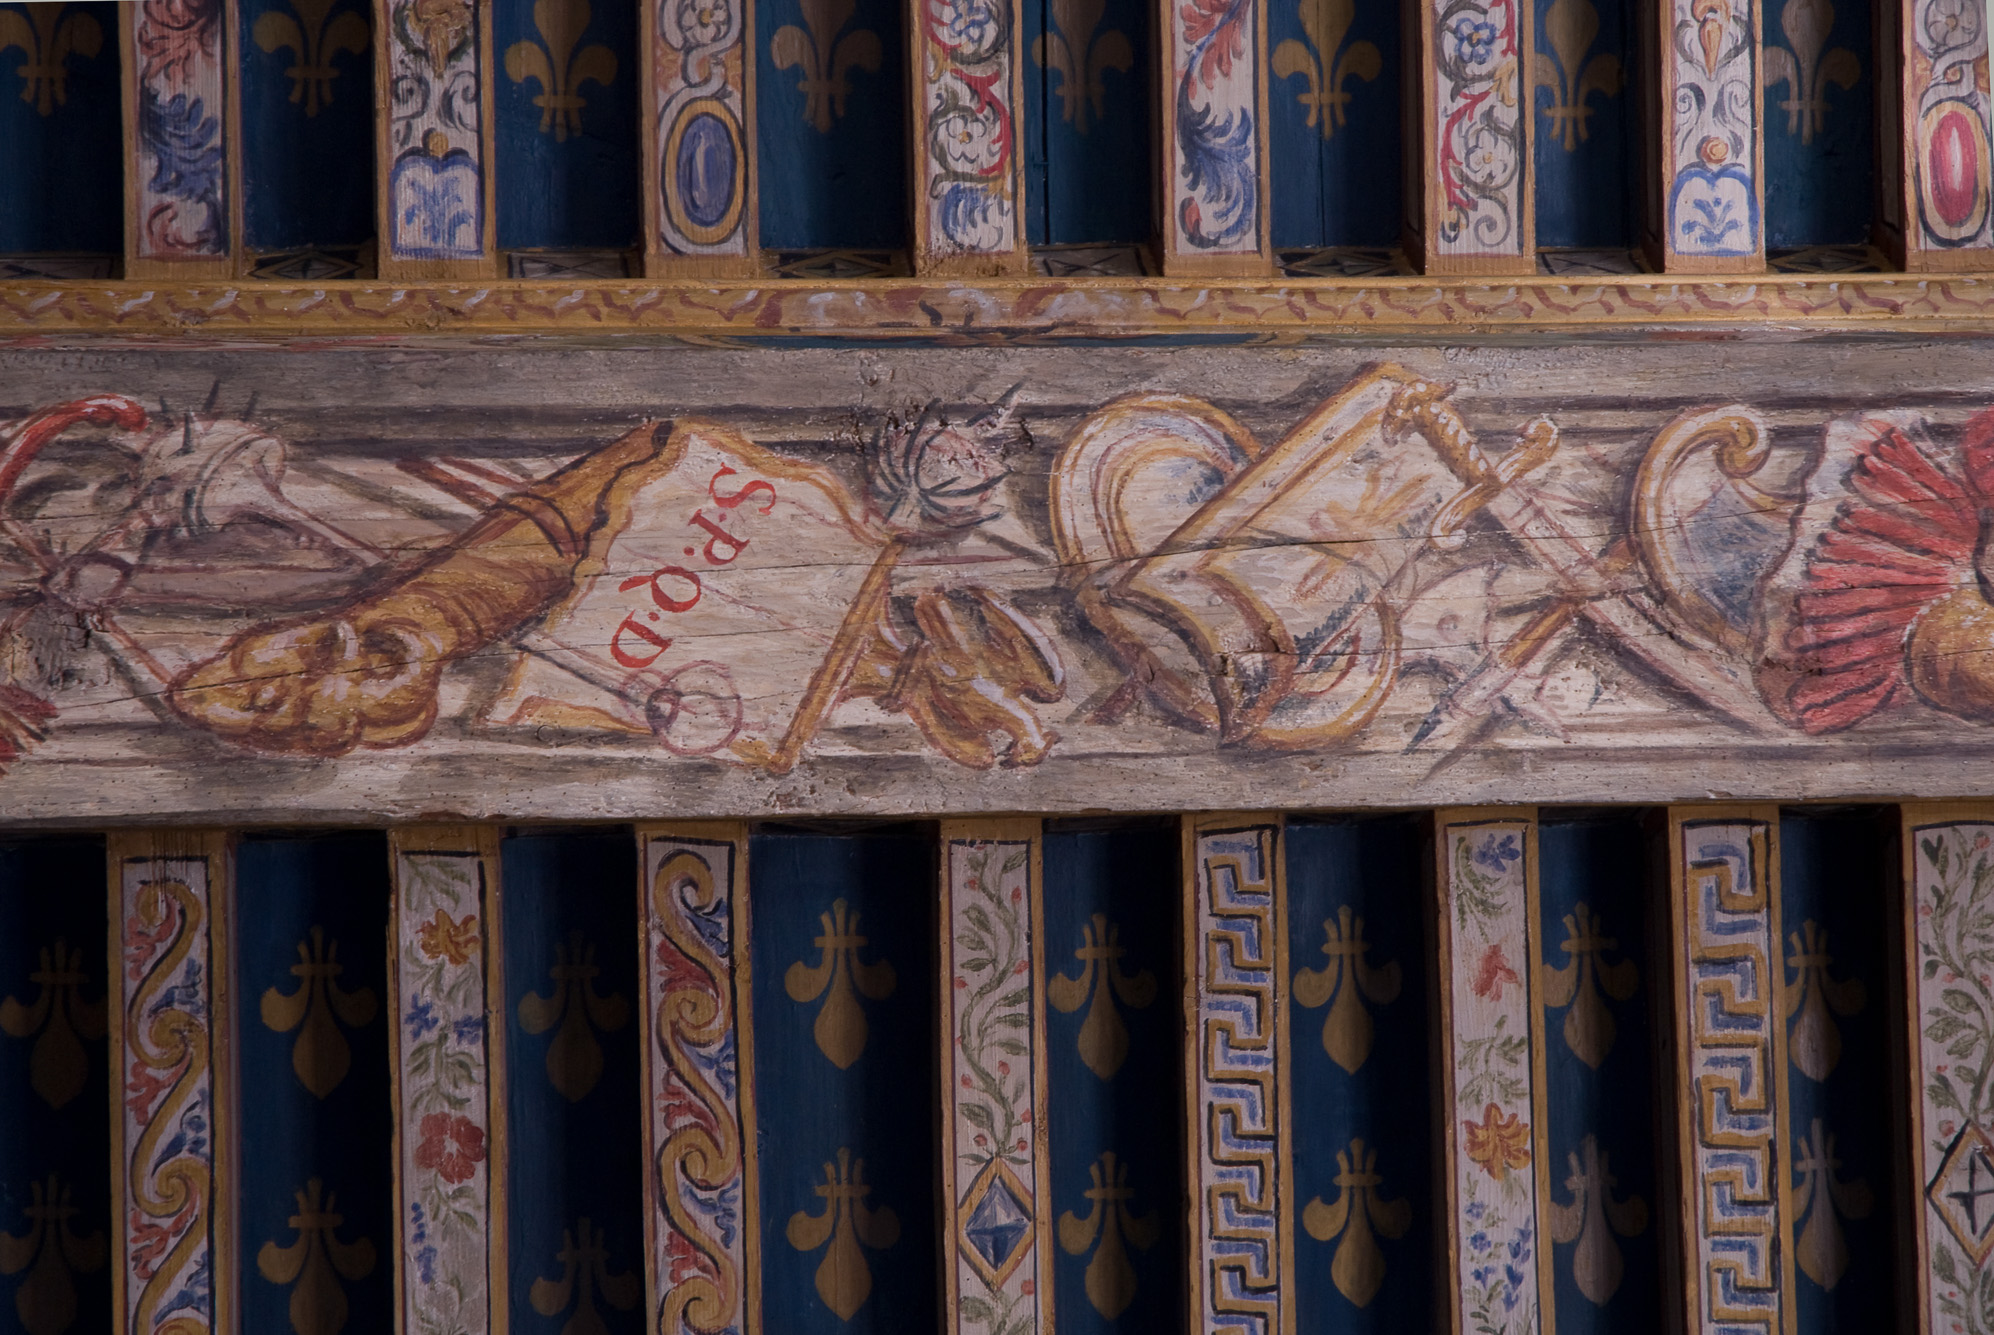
(431, 60)
(969, 174)
(1214, 86)
(181, 176)
(442, 904)
(1494, 1097)
(1711, 150)
(1479, 167)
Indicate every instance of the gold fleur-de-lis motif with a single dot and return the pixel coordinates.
(62, 1018)
(1804, 70)
(1104, 1039)
(1110, 1279)
(48, 35)
(1572, 26)
(584, 1262)
(313, 41)
(46, 1300)
(1325, 64)
(574, 1058)
(316, 1262)
(559, 69)
(1816, 1043)
(1360, 1212)
(841, 1028)
(1591, 1218)
(844, 1281)
(321, 1056)
(1589, 1028)
(1347, 1029)
(824, 57)
(1081, 58)
(1822, 1200)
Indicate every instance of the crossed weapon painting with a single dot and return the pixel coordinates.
(1379, 577)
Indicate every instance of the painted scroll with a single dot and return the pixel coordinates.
(969, 176)
(1712, 147)
(1731, 1050)
(1945, 126)
(180, 186)
(174, 1266)
(996, 1214)
(1492, 1073)
(1212, 101)
(449, 1080)
(434, 150)
(1475, 56)
(1234, 966)
(699, 160)
(702, 1203)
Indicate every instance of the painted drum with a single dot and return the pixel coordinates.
(702, 160)
(1952, 171)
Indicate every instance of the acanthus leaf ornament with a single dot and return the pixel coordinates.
(1346, 982)
(1103, 1038)
(1358, 1216)
(840, 977)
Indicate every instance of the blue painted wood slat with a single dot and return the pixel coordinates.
(307, 90)
(1088, 66)
(1587, 132)
(61, 145)
(567, 95)
(1335, 121)
(1820, 80)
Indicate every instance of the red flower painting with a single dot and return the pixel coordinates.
(1492, 972)
(452, 1146)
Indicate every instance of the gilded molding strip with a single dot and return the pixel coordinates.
(1944, 123)
(433, 146)
(1731, 1068)
(174, 1273)
(1949, 883)
(1288, 310)
(1477, 214)
(1492, 1074)
(1713, 139)
(1236, 970)
(996, 1173)
(701, 1195)
(180, 170)
(700, 159)
(450, 1272)
(1212, 111)
(969, 170)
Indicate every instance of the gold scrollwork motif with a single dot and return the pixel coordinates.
(316, 1262)
(574, 1058)
(1081, 58)
(46, 1300)
(314, 38)
(1589, 1028)
(48, 35)
(1324, 63)
(840, 1029)
(825, 58)
(557, 67)
(1591, 1218)
(1572, 27)
(844, 1281)
(1821, 1200)
(1805, 71)
(321, 1056)
(1816, 1043)
(1359, 1213)
(1347, 1030)
(1104, 1038)
(1110, 1280)
(584, 1258)
(61, 1017)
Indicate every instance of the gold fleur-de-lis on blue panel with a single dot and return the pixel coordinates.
(316, 1262)
(1589, 1027)
(1347, 1029)
(1804, 70)
(844, 1280)
(1104, 1039)
(53, 1255)
(559, 69)
(1082, 58)
(321, 1056)
(1591, 1218)
(1821, 1201)
(574, 1058)
(1815, 1041)
(585, 1272)
(1109, 1221)
(313, 38)
(840, 1029)
(1325, 64)
(1359, 1213)
(48, 35)
(61, 1018)
(1572, 26)
(824, 57)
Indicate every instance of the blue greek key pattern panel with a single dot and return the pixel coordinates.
(1233, 948)
(1731, 1048)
